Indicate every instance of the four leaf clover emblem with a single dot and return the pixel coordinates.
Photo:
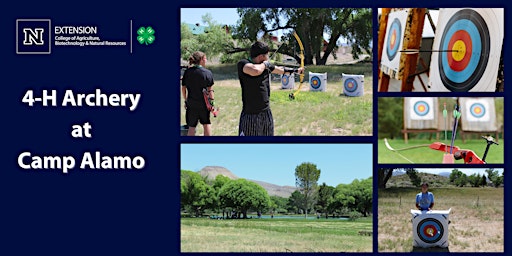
(146, 35)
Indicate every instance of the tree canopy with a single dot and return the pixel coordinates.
(306, 179)
(311, 24)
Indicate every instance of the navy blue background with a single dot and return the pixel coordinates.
(102, 212)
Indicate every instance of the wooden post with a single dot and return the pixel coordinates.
(383, 21)
(412, 40)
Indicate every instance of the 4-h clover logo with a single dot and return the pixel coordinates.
(146, 35)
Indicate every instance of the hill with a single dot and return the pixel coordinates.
(272, 189)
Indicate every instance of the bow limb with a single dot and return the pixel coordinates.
(301, 56)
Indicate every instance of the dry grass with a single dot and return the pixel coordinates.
(477, 218)
(204, 235)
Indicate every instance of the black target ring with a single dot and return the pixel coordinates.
(481, 41)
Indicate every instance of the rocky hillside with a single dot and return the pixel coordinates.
(273, 190)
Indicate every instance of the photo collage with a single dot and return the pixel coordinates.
(354, 130)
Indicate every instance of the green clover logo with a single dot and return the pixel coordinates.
(146, 35)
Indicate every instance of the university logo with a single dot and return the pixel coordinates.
(33, 36)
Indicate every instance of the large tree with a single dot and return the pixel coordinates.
(243, 195)
(196, 194)
(311, 24)
(325, 194)
(356, 196)
(306, 179)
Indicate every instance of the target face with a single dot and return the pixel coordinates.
(421, 108)
(467, 41)
(316, 82)
(350, 85)
(394, 39)
(430, 230)
(477, 110)
(285, 79)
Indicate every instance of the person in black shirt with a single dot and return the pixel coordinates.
(195, 79)
(254, 74)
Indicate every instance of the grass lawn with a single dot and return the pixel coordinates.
(275, 235)
(430, 156)
(328, 113)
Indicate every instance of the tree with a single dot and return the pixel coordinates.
(390, 114)
(278, 204)
(213, 41)
(352, 24)
(384, 175)
(306, 178)
(356, 196)
(483, 182)
(196, 195)
(218, 183)
(325, 194)
(494, 177)
(475, 180)
(295, 202)
(458, 178)
(413, 176)
(243, 195)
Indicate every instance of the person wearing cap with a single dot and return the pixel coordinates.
(424, 199)
(254, 75)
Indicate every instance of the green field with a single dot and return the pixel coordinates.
(328, 113)
(430, 156)
(275, 235)
(477, 218)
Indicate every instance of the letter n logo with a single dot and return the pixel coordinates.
(33, 36)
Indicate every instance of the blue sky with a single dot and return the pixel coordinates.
(223, 16)
(275, 163)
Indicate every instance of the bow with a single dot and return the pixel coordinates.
(301, 56)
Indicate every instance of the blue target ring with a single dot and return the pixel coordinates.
(350, 85)
(421, 108)
(394, 38)
(316, 82)
(430, 230)
(477, 110)
(285, 80)
(468, 22)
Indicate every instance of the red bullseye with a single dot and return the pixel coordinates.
(460, 42)
(430, 230)
(392, 40)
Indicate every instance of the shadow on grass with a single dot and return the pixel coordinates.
(430, 249)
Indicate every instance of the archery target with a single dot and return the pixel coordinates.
(477, 110)
(472, 41)
(421, 108)
(352, 84)
(317, 81)
(393, 41)
(430, 228)
(287, 81)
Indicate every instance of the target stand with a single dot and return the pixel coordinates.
(430, 228)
